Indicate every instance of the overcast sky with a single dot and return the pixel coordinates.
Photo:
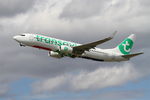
(29, 74)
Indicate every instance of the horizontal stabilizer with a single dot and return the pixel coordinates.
(132, 55)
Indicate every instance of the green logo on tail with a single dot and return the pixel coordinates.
(126, 46)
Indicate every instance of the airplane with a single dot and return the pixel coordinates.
(58, 48)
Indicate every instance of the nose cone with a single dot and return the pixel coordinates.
(21, 39)
(15, 37)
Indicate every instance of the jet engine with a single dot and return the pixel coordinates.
(54, 54)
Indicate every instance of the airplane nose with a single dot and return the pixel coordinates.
(15, 37)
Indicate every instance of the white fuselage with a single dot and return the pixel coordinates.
(53, 44)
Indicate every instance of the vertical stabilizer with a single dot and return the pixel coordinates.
(125, 47)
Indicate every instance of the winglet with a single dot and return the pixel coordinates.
(114, 33)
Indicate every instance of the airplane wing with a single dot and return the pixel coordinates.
(86, 47)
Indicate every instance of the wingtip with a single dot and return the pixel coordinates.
(114, 33)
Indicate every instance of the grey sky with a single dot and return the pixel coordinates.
(9, 8)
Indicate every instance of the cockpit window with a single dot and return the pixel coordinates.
(22, 35)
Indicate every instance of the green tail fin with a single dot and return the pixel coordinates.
(126, 46)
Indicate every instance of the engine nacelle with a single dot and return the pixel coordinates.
(54, 54)
(66, 49)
